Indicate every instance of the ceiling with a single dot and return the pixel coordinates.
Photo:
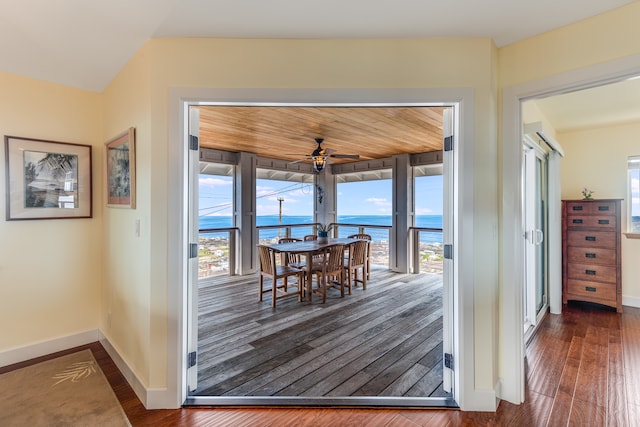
(84, 44)
(614, 103)
(288, 133)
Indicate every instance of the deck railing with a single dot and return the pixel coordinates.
(214, 247)
(215, 244)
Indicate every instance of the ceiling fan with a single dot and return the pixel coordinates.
(321, 156)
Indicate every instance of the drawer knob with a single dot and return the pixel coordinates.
(590, 272)
(603, 221)
(590, 238)
(590, 288)
(577, 221)
(589, 255)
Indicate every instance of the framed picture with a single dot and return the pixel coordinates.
(47, 179)
(121, 170)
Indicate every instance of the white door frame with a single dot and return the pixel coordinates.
(511, 309)
(465, 393)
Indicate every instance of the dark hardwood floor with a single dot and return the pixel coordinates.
(583, 369)
(383, 341)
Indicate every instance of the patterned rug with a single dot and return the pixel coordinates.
(70, 390)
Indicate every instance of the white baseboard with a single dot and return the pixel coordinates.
(136, 384)
(631, 301)
(151, 398)
(483, 401)
(157, 398)
(43, 348)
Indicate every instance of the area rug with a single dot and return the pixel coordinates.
(70, 390)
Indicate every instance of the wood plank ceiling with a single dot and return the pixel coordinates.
(288, 133)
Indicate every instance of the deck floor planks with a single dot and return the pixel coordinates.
(246, 348)
(394, 333)
(311, 360)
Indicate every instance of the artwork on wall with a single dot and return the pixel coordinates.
(121, 170)
(47, 179)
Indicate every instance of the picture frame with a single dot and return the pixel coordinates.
(121, 170)
(47, 179)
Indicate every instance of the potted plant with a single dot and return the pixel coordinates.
(323, 232)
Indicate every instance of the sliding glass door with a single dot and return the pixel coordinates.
(535, 210)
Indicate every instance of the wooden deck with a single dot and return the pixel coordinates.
(385, 341)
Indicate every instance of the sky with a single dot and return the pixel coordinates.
(357, 198)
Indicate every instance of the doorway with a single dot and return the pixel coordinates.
(514, 99)
(447, 344)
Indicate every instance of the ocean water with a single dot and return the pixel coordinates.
(377, 234)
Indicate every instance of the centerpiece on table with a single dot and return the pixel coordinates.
(323, 232)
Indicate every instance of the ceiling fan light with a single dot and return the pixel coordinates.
(319, 162)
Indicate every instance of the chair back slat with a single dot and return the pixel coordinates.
(358, 252)
(267, 259)
(361, 236)
(334, 258)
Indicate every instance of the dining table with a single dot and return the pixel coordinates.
(309, 248)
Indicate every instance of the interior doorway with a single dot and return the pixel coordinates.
(586, 81)
(448, 305)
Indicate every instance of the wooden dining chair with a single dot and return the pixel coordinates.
(331, 270)
(288, 258)
(356, 263)
(367, 237)
(269, 268)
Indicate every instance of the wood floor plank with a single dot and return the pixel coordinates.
(586, 414)
(591, 384)
(323, 367)
(307, 363)
(394, 370)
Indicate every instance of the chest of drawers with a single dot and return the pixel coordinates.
(591, 264)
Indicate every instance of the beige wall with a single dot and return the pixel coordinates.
(127, 295)
(600, 39)
(50, 270)
(597, 159)
(208, 63)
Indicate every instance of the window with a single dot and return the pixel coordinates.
(365, 199)
(216, 196)
(283, 198)
(215, 211)
(634, 194)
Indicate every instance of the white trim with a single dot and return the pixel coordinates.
(631, 301)
(465, 393)
(151, 398)
(511, 339)
(43, 348)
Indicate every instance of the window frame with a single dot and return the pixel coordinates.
(633, 171)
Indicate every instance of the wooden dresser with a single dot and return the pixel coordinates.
(591, 267)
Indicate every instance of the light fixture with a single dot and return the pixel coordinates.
(319, 162)
(319, 157)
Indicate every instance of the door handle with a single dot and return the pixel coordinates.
(539, 237)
